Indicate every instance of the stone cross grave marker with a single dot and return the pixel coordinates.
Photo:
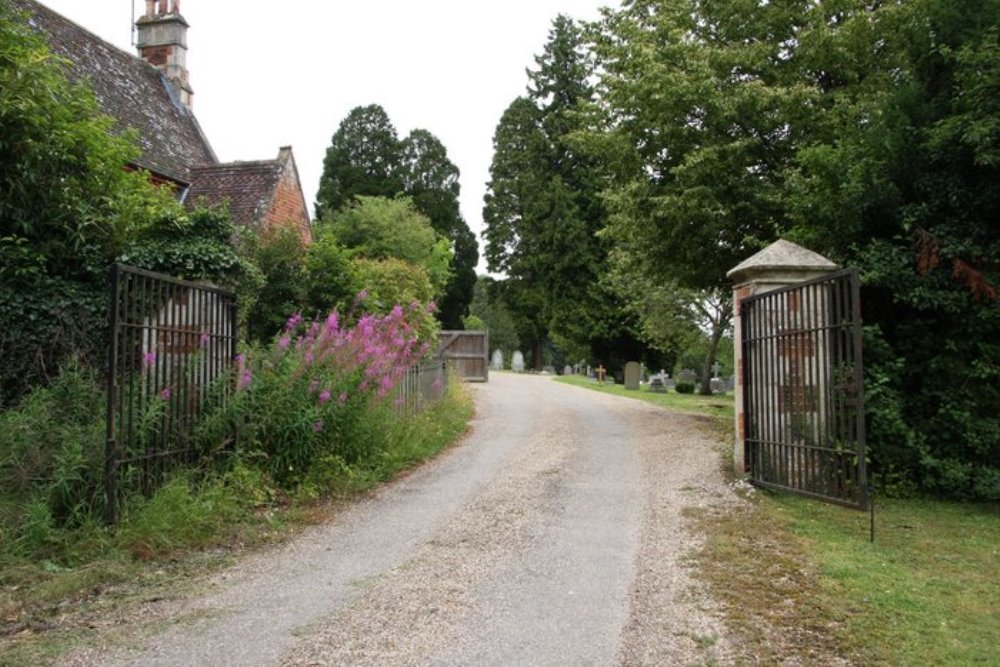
(600, 374)
(632, 375)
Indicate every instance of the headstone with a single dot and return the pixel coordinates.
(658, 383)
(687, 376)
(600, 374)
(632, 371)
(497, 362)
(731, 383)
(548, 370)
(517, 362)
(668, 382)
(567, 370)
(717, 386)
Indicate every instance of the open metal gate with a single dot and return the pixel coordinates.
(170, 341)
(803, 392)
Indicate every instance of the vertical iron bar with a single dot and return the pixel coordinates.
(111, 453)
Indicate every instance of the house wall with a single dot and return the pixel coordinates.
(288, 206)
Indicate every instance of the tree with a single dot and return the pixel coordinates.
(379, 228)
(543, 210)
(867, 131)
(512, 227)
(67, 208)
(431, 180)
(366, 158)
(363, 159)
(494, 316)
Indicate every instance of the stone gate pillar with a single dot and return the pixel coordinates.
(781, 264)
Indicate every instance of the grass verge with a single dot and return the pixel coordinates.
(799, 580)
(90, 588)
(719, 406)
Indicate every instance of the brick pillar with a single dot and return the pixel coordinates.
(781, 264)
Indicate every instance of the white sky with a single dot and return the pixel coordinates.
(268, 74)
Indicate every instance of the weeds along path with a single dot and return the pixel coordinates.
(555, 534)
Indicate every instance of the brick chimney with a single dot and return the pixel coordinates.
(162, 42)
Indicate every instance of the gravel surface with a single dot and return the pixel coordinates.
(555, 534)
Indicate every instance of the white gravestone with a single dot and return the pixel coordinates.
(517, 362)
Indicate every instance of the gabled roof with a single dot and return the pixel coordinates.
(248, 187)
(131, 91)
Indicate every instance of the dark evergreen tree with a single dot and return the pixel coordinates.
(363, 159)
(543, 210)
(432, 181)
(366, 158)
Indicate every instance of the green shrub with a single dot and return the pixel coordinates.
(52, 460)
(684, 388)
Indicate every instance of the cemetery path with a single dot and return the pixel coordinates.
(554, 534)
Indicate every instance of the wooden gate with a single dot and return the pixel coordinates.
(467, 352)
(803, 393)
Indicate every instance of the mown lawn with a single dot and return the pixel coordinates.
(927, 592)
(719, 405)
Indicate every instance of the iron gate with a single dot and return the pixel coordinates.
(803, 391)
(170, 340)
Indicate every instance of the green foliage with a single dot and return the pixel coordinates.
(684, 388)
(867, 132)
(329, 283)
(366, 159)
(376, 228)
(362, 160)
(196, 245)
(387, 282)
(67, 209)
(286, 285)
(52, 463)
(492, 315)
(543, 210)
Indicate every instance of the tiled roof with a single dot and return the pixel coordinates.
(248, 187)
(131, 91)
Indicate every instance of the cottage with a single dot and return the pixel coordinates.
(151, 94)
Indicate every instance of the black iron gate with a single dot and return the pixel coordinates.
(803, 392)
(170, 340)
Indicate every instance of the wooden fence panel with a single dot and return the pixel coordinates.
(467, 352)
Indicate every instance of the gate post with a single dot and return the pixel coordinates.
(781, 264)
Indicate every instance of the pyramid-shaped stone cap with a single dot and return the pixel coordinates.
(782, 257)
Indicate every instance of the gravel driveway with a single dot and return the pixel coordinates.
(554, 535)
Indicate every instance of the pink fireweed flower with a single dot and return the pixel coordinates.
(204, 339)
(246, 377)
(318, 426)
(284, 342)
(332, 322)
(165, 393)
(362, 295)
(148, 359)
(342, 398)
(325, 396)
(293, 321)
(414, 305)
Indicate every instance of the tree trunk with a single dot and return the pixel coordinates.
(713, 348)
(536, 360)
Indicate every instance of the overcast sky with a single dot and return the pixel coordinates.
(267, 74)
